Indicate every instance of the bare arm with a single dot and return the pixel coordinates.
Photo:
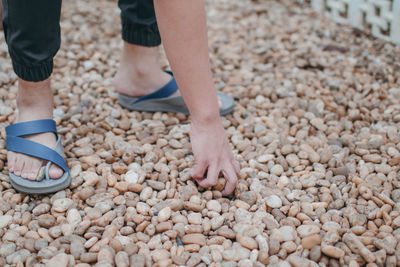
(183, 29)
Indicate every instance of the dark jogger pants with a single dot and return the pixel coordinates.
(32, 32)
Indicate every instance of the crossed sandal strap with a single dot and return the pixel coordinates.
(31, 127)
(30, 148)
(18, 144)
(167, 90)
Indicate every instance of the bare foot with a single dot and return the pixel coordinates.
(35, 102)
(139, 72)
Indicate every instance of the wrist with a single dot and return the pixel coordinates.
(206, 118)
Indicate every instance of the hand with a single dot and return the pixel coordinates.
(212, 154)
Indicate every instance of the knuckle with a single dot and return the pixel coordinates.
(196, 176)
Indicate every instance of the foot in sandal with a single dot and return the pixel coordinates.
(35, 102)
(143, 86)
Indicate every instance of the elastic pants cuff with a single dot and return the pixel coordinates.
(139, 35)
(34, 73)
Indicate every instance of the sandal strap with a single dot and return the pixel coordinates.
(31, 127)
(167, 90)
(30, 148)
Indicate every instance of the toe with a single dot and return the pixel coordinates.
(55, 172)
(36, 165)
(11, 161)
(19, 164)
(26, 169)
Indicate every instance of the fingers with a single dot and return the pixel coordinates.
(236, 165)
(212, 177)
(231, 180)
(197, 172)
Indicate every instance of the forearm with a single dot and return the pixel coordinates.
(182, 24)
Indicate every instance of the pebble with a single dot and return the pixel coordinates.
(274, 202)
(277, 170)
(5, 220)
(164, 214)
(122, 259)
(236, 253)
(297, 261)
(332, 251)
(217, 222)
(60, 260)
(213, 205)
(247, 242)
(284, 233)
(18, 256)
(306, 230)
(198, 239)
(61, 205)
(7, 248)
(40, 209)
(358, 247)
(131, 177)
(310, 241)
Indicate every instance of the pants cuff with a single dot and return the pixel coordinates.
(141, 35)
(33, 73)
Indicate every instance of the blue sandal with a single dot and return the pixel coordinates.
(16, 143)
(163, 100)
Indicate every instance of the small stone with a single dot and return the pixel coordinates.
(163, 226)
(217, 222)
(194, 239)
(89, 257)
(293, 160)
(91, 178)
(358, 247)
(61, 205)
(164, 214)
(332, 251)
(274, 202)
(73, 217)
(160, 254)
(310, 241)
(249, 197)
(41, 243)
(224, 231)
(213, 205)
(247, 242)
(187, 192)
(5, 220)
(40, 209)
(306, 230)
(131, 177)
(265, 158)
(122, 259)
(18, 256)
(46, 220)
(7, 248)
(277, 170)
(194, 218)
(138, 260)
(297, 261)
(283, 234)
(142, 208)
(156, 185)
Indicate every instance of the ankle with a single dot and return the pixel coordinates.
(35, 99)
(139, 61)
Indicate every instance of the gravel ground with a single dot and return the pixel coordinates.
(316, 130)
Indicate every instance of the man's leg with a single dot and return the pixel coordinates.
(140, 72)
(32, 33)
